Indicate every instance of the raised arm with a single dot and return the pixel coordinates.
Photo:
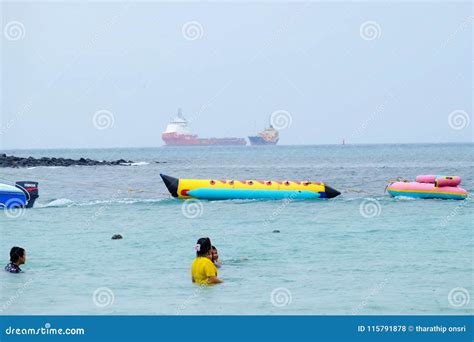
(214, 280)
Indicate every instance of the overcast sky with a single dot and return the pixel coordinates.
(113, 74)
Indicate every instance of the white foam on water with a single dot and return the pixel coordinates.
(64, 202)
(406, 198)
(120, 201)
(60, 202)
(141, 163)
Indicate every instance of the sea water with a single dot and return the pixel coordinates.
(361, 253)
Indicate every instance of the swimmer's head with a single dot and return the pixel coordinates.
(214, 254)
(203, 247)
(17, 255)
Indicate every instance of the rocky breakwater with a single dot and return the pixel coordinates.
(12, 161)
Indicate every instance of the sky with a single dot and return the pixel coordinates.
(112, 74)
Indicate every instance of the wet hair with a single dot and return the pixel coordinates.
(16, 253)
(214, 248)
(204, 246)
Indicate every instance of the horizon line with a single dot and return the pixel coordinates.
(239, 146)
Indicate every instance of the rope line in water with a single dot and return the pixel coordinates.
(132, 190)
(55, 180)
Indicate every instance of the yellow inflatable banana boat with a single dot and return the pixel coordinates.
(210, 189)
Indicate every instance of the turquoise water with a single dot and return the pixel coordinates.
(361, 253)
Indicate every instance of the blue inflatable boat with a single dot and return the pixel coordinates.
(22, 195)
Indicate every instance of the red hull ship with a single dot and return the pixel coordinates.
(178, 133)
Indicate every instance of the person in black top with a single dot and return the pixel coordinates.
(17, 258)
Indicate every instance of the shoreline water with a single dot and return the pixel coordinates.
(362, 251)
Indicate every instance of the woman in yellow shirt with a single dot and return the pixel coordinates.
(203, 270)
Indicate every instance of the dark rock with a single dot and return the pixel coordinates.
(117, 237)
(17, 162)
(276, 231)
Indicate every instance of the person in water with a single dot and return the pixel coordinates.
(17, 258)
(215, 257)
(203, 270)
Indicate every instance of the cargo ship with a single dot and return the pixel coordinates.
(178, 133)
(269, 136)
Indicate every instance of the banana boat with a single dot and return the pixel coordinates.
(210, 189)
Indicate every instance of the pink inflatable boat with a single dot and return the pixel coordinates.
(429, 186)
